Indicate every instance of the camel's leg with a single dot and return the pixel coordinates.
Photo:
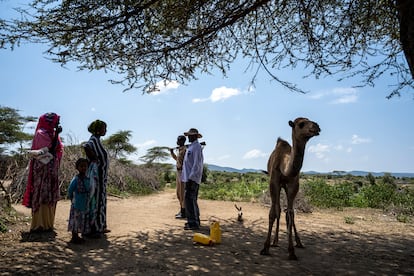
(265, 250)
(291, 192)
(276, 239)
(297, 239)
(273, 214)
(277, 214)
(290, 216)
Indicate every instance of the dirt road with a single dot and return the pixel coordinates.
(146, 239)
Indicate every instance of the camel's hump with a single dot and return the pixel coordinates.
(282, 142)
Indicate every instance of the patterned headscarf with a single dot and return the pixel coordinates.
(96, 126)
(48, 122)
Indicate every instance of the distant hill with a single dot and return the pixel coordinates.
(212, 167)
(229, 169)
(363, 173)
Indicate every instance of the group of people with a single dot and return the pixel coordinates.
(87, 189)
(189, 165)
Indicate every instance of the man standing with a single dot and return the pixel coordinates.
(179, 158)
(191, 176)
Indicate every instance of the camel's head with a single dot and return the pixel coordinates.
(304, 129)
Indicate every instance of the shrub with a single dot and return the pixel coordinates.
(234, 191)
(377, 196)
(322, 194)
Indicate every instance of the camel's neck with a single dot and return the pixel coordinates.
(296, 158)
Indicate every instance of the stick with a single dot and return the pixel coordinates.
(201, 143)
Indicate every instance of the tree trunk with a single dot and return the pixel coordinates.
(405, 10)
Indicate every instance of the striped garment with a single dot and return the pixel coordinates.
(99, 167)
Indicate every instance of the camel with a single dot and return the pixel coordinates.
(284, 167)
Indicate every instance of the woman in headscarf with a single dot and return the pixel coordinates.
(98, 171)
(42, 190)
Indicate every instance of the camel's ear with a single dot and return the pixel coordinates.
(291, 124)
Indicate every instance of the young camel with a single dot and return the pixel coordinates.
(284, 167)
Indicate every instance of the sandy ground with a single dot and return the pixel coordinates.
(146, 239)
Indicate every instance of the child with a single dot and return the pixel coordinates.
(78, 193)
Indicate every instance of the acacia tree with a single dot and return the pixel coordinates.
(153, 40)
(12, 127)
(118, 144)
(154, 154)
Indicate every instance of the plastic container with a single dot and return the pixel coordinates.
(203, 239)
(215, 232)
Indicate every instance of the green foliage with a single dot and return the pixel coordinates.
(237, 190)
(322, 194)
(388, 179)
(3, 226)
(384, 195)
(118, 144)
(349, 220)
(205, 173)
(137, 188)
(376, 196)
(403, 218)
(371, 178)
(156, 154)
(12, 125)
(148, 41)
(167, 177)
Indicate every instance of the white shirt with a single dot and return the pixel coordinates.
(193, 163)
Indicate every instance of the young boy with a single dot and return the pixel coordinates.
(78, 193)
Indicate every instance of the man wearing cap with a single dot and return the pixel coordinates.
(191, 176)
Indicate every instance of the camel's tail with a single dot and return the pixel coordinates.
(265, 172)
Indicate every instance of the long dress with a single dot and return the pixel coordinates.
(98, 173)
(42, 191)
(78, 193)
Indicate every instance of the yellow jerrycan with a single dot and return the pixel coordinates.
(215, 232)
(203, 239)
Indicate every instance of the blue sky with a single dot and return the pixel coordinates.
(361, 129)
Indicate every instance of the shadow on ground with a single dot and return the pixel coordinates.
(172, 253)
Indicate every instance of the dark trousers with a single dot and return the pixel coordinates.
(191, 206)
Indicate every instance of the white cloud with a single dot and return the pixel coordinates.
(319, 150)
(339, 95)
(318, 95)
(219, 94)
(253, 154)
(342, 148)
(223, 157)
(355, 140)
(146, 144)
(222, 93)
(344, 95)
(198, 100)
(164, 86)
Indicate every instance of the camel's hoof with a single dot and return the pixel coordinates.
(299, 246)
(275, 245)
(292, 257)
(265, 252)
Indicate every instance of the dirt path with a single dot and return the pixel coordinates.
(147, 240)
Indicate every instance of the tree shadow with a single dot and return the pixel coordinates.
(172, 252)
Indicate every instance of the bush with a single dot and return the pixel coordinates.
(377, 196)
(233, 191)
(323, 195)
(384, 196)
(123, 177)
